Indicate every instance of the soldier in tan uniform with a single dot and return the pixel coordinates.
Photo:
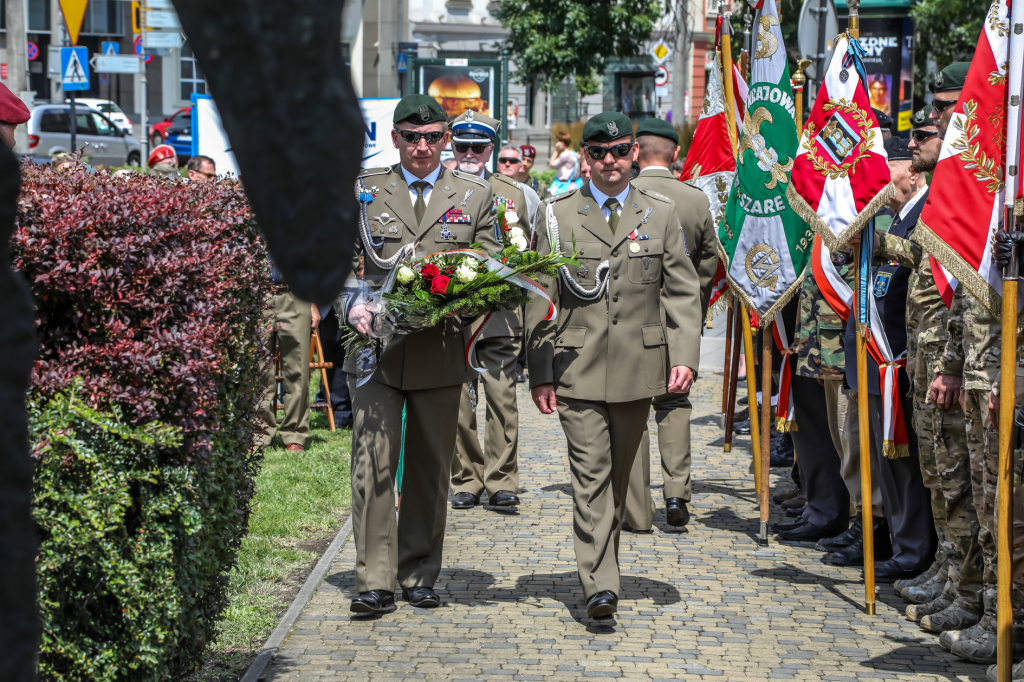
(658, 144)
(416, 201)
(494, 468)
(628, 329)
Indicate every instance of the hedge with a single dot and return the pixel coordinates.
(144, 403)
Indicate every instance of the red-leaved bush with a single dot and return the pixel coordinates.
(150, 299)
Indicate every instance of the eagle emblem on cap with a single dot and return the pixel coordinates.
(938, 79)
(613, 128)
(469, 115)
(424, 113)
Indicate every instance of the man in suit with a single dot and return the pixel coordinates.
(658, 147)
(495, 467)
(905, 500)
(414, 202)
(628, 329)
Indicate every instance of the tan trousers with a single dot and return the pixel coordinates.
(292, 334)
(672, 413)
(603, 439)
(496, 466)
(844, 425)
(407, 551)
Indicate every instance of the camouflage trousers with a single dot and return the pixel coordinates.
(983, 442)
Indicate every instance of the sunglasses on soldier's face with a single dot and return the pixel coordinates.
(941, 105)
(924, 135)
(618, 151)
(477, 148)
(508, 159)
(412, 137)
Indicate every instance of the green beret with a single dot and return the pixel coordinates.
(607, 126)
(920, 118)
(656, 126)
(419, 109)
(950, 78)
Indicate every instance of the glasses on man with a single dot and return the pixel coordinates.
(510, 160)
(413, 137)
(617, 150)
(923, 135)
(941, 105)
(477, 148)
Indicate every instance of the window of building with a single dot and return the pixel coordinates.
(103, 17)
(192, 80)
(38, 15)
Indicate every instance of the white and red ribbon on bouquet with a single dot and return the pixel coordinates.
(839, 296)
(509, 275)
(785, 412)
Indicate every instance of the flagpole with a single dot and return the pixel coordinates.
(766, 422)
(730, 106)
(728, 356)
(755, 432)
(799, 79)
(734, 361)
(1008, 359)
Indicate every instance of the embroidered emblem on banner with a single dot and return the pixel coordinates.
(767, 158)
(843, 142)
(882, 284)
(763, 266)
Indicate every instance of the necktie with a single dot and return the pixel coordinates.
(420, 207)
(613, 217)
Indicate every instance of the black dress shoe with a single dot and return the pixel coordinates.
(808, 532)
(741, 428)
(374, 601)
(779, 527)
(676, 512)
(892, 570)
(465, 501)
(848, 537)
(504, 498)
(795, 512)
(630, 529)
(421, 597)
(602, 604)
(851, 555)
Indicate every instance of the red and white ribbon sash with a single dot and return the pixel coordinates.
(785, 411)
(839, 296)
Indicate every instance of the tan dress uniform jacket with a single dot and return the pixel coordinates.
(608, 357)
(495, 466)
(672, 410)
(423, 372)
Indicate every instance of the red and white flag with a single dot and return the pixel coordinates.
(840, 173)
(968, 190)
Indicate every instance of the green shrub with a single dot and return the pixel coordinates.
(547, 177)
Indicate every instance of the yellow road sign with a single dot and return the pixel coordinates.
(74, 13)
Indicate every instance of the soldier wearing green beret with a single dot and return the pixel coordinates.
(628, 329)
(416, 201)
(658, 147)
(946, 86)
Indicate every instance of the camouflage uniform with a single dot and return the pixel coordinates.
(972, 350)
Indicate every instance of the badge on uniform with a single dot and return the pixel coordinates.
(510, 204)
(882, 283)
(456, 216)
(447, 234)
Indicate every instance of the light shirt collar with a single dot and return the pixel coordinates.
(664, 168)
(600, 197)
(431, 179)
(913, 202)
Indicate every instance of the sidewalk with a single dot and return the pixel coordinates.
(698, 603)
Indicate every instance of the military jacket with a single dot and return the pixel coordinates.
(460, 212)
(973, 347)
(621, 346)
(509, 192)
(819, 338)
(694, 214)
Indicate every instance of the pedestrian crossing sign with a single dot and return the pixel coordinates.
(74, 68)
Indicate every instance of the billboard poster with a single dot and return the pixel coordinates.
(460, 88)
(378, 149)
(888, 44)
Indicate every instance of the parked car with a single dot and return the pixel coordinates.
(109, 108)
(49, 133)
(179, 136)
(158, 131)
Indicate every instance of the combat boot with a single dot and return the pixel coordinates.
(975, 644)
(1016, 674)
(915, 612)
(929, 590)
(953, 617)
(901, 585)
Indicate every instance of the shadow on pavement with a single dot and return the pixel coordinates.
(792, 574)
(925, 658)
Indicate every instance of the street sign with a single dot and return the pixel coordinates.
(53, 63)
(139, 51)
(661, 76)
(111, 48)
(402, 62)
(411, 49)
(74, 68)
(74, 14)
(33, 52)
(661, 51)
(153, 19)
(807, 33)
(159, 4)
(161, 39)
(110, 63)
(3, 71)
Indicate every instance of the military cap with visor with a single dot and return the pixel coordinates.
(419, 109)
(607, 126)
(659, 128)
(950, 78)
(920, 119)
(897, 149)
(884, 120)
(472, 127)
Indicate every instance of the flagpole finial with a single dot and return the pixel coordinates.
(799, 78)
(854, 23)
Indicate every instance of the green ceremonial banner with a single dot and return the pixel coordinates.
(766, 244)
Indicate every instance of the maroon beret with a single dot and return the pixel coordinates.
(12, 109)
(529, 152)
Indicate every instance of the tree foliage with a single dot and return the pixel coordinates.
(947, 31)
(552, 40)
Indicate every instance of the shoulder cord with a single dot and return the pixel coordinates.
(577, 288)
(364, 232)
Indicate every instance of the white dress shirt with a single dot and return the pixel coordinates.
(430, 180)
(664, 168)
(913, 202)
(600, 197)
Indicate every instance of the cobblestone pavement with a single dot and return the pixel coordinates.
(702, 602)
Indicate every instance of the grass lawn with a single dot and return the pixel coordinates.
(302, 500)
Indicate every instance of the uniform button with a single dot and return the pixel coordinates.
(615, 276)
(615, 253)
(615, 321)
(615, 299)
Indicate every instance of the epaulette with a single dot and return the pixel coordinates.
(562, 195)
(508, 180)
(366, 172)
(471, 178)
(653, 194)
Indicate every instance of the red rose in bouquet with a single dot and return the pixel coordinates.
(430, 271)
(439, 284)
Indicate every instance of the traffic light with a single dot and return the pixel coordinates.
(136, 17)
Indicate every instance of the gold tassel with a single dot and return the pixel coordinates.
(892, 451)
(1018, 208)
(832, 241)
(783, 426)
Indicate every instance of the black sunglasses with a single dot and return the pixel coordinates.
(618, 151)
(477, 148)
(412, 137)
(508, 159)
(923, 135)
(941, 105)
